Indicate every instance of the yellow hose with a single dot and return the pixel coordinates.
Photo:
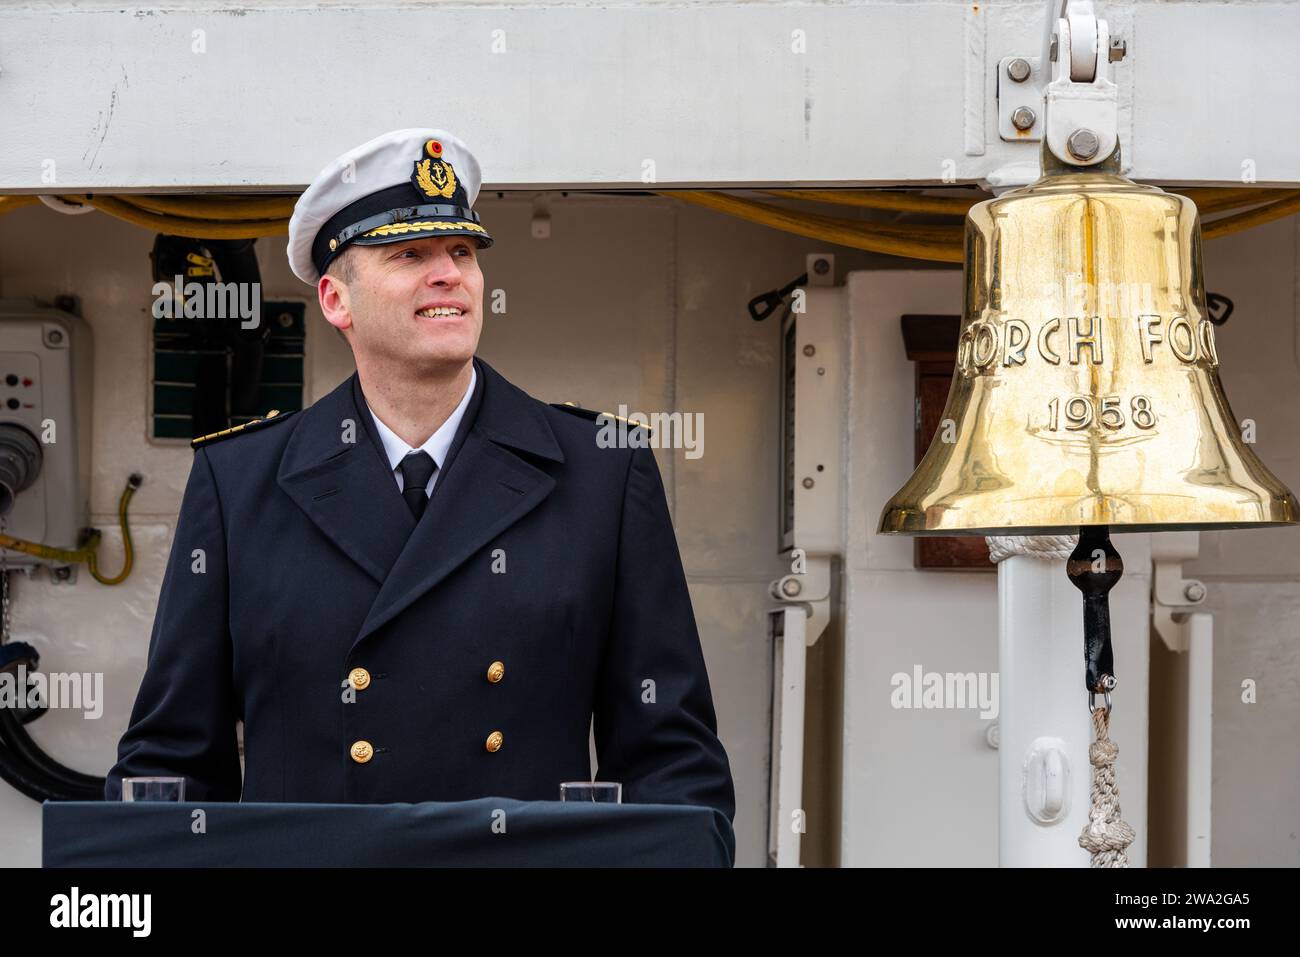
(247, 217)
(1210, 199)
(944, 243)
(89, 551)
(884, 199)
(1237, 199)
(192, 228)
(219, 209)
(1251, 217)
(8, 203)
(939, 243)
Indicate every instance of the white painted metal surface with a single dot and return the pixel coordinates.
(215, 94)
(1200, 737)
(1184, 629)
(1043, 772)
(812, 416)
(790, 659)
(812, 419)
(920, 784)
(795, 626)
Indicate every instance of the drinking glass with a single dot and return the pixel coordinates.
(599, 792)
(153, 789)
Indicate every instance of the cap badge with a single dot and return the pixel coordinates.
(434, 176)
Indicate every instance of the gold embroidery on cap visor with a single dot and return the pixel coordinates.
(424, 226)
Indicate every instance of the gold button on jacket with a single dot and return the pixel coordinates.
(496, 671)
(495, 740)
(359, 678)
(362, 751)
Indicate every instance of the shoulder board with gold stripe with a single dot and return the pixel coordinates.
(275, 415)
(597, 416)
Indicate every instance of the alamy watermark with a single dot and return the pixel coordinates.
(83, 691)
(662, 430)
(130, 911)
(946, 690)
(209, 300)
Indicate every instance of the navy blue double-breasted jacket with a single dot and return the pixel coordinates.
(358, 645)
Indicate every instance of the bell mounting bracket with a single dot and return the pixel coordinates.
(1064, 94)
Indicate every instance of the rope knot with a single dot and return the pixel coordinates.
(1106, 837)
(1102, 754)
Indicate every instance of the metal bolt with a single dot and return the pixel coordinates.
(1083, 144)
(791, 587)
(1118, 49)
(809, 350)
(808, 483)
(821, 267)
(1019, 69)
(1023, 118)
(1194, 591)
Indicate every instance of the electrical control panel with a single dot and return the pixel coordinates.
(45, 418)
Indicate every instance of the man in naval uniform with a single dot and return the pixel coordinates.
(428, 585)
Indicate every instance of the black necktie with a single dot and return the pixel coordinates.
(417, 468)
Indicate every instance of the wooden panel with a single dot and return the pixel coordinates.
(931, 342)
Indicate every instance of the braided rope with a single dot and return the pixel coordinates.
(1045, 547)
(1106, 837)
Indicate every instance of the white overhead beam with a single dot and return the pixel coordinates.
(553, 95)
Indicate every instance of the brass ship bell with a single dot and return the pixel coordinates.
(1086, 394)
(1086, 390)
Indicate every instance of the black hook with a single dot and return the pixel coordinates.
(1094, 567)
(1219, 315)
(773, 299)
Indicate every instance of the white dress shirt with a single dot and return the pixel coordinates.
(436, 445)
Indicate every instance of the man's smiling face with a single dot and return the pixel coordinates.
(416, 304)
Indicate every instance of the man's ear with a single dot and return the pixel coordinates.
(335, 303)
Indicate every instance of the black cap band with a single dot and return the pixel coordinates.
(394, 204)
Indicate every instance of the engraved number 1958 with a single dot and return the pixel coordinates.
(1079, 412)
